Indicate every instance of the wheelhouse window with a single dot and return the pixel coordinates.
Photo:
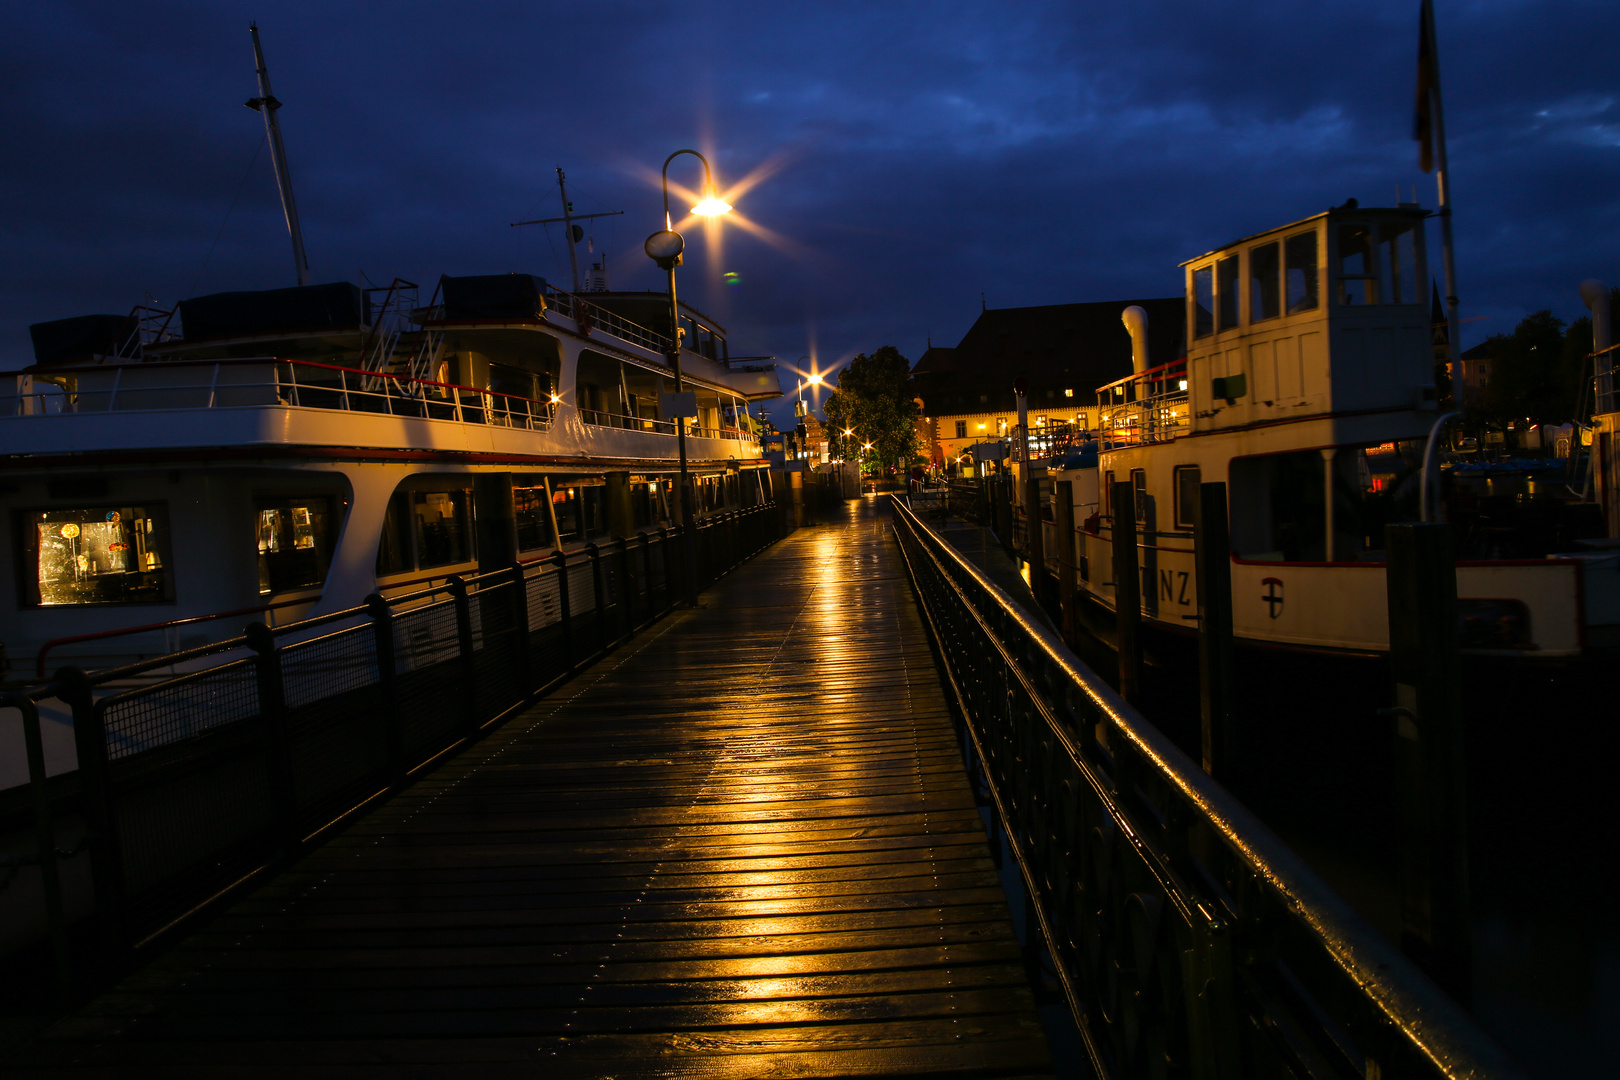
(1397, 261)
(1299, 253)
(295, 542)
(1358, 271)
(1265, 277)
(1203, 301)
(97, 555)
(1226, 291)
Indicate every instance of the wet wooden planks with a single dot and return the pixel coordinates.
(740, 846)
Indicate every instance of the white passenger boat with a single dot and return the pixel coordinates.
(1307, 387)
(275, 455)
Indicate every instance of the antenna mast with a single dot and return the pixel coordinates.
(568, 228)
(266, 104)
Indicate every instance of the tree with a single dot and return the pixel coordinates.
(1531, 376)
(873, 398)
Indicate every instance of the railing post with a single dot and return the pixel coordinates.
(1212, 566)
(50, 879)
(566, 617)
(520, 627)
(1127, 592)
(382, 617)
(1422, 584)
(599, 587)
(469, 661)
(1063, 513)
(106, 854)
(273, 717)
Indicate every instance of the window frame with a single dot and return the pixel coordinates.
(29, 594)
(1186, 517)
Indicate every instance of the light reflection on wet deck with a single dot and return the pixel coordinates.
(742, 845)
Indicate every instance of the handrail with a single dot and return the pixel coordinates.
(1431, 1026)
(74, 639)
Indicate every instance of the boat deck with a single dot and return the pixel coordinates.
(742, 845)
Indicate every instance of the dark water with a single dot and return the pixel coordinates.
(1542, 814)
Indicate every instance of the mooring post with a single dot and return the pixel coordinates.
(1063, 515)
(1212, 559)
(1127, 591)
(1422, 583)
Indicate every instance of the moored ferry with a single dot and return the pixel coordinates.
(1307, 386)
(281, 454)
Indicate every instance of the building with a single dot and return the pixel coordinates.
(1065, 351)
(1476, 370)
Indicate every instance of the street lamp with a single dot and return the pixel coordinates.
(664, 248)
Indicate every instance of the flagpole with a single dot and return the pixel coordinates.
(1448, 253)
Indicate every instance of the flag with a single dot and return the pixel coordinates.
(1423, 118)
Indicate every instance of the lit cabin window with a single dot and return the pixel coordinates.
(1358, 274)
(100, 555)
(1203, 301)
(295, 542)
(1226, 291)
(1300, 252)
(1397, 261)
(1265, 278)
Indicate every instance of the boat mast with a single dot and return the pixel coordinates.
(266, 104)
(1429, 50)
(568, 228)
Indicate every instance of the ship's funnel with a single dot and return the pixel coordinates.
(1595, 295)
(1135, 320)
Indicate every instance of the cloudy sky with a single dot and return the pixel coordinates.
(901, 160)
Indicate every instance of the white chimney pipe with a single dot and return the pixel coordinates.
(1136, 322)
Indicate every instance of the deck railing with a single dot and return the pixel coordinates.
(1189, 940)
(216, 384)
(194, 784)
(1148, 407)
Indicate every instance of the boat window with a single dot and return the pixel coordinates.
(565, 504)
(1226, 291)
(295, 542)
(1139, 491)
(643, 388)
(1397, 261)
(599, 388)
(1265, 277)
(394, 550)
(531, 506)
(1358, 273)
(1300, 252)
(1108, 493)
(98, 555)
(1188, 478)
(1277, 507)
(443, 522)
(580, 504)
(1203, 301)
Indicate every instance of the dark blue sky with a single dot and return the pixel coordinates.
(915, 154)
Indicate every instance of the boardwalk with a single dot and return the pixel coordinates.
(740, 846)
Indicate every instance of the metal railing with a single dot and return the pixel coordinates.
(589, 316)
(1189, 940)
(215, 384)
(1148, 407)
(603, 418)
(199, 782)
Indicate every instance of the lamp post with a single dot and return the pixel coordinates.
(664, 248)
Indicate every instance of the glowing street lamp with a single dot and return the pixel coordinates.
(665, 248)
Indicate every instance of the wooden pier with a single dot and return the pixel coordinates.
(741, 845)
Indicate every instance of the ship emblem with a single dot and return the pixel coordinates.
(1274, 595)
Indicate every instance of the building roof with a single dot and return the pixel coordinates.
(1058, 347)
